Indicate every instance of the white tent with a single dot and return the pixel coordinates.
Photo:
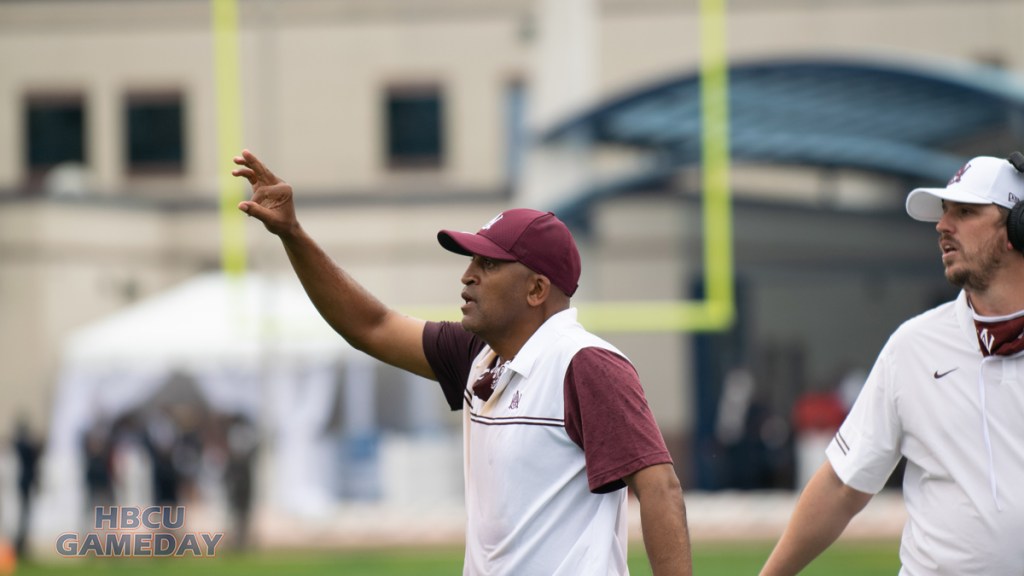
(251, 344)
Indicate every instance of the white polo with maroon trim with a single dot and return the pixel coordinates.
(530, 510)
(958, 417)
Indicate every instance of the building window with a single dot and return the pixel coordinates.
(55, 132)
(415, 127)
(155, 133)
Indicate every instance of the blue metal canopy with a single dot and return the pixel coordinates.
(911, 120)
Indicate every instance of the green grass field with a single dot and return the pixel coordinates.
(710, 559)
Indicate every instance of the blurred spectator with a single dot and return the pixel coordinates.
(28, 450)
(130, 462)
(816, 418)
(161, 437)
(734, 406)
(186, 454)
(98, 474)
(746, 432)
(242, 442)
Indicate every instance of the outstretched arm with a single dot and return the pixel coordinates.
(362, 319)
(822, 513)
(663, 520)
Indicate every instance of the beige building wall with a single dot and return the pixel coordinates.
(313, 77)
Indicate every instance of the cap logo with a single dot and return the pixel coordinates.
(1013, 197)
(493, 221)
(959, 174)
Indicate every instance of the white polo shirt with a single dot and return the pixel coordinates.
(958, 417)
(532, 505)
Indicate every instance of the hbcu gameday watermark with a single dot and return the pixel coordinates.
(132, 532)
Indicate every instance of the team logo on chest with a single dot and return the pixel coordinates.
(514, 404)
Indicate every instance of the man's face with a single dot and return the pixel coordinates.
(495, 294)
(972, 238)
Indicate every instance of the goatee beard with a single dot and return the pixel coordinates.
(978, 279)
(967, 280)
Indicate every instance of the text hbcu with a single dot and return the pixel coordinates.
(131, 531)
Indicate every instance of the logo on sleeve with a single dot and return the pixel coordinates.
(841, 443)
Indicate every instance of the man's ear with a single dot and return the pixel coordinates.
(540, 290)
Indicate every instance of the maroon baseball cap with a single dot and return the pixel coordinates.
(535, 239)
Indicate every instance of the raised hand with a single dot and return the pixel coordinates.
(271, 201)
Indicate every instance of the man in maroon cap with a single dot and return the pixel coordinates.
(555, 420)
